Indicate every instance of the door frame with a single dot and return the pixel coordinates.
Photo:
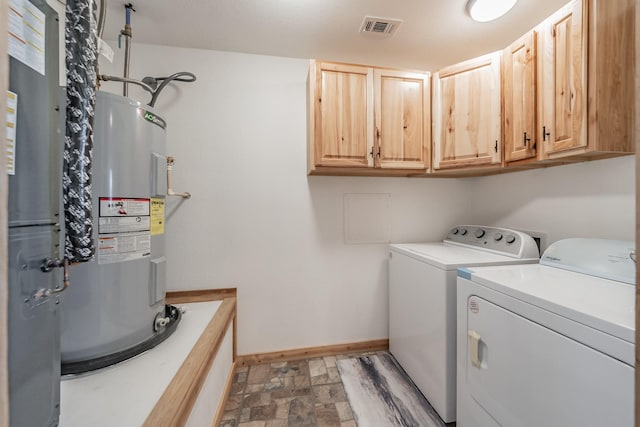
(637, 234)
(4, 81)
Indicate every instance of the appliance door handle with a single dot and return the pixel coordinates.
(474, 348)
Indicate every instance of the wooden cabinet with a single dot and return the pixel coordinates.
(466, 114)
(368, 121)
(563, 92)
(611, 75)
(519, 95)
(587, 82)
(569, 87)
(563, 80)
(402, 119)
(342, 129)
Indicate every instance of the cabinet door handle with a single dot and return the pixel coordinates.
(371, 153)
(545, 134)
(378, 151)
(496, 146)
(525, 139)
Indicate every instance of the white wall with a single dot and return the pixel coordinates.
(256, 221)
(593, 199)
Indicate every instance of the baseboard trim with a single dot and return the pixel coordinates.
(200, 295)
(225, 396)
(311, 352)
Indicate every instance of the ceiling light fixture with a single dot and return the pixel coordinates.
(488, 10)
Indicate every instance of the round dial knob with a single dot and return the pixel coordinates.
(510, 238)
(455, 231)
(497, 237)
(463, 231)
(479, 233)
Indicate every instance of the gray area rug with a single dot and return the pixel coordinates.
(381, 394)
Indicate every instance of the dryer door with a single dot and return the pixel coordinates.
(524, 374)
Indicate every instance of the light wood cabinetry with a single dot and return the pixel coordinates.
(519, 96)
(368, 121)
(563, 80)
(571, 79)
(611, 78)
(563, 92)
(587, 84)
(342, 115)
(466, 114)
(402, 119)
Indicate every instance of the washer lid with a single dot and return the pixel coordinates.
(602, 304)
(450, 256)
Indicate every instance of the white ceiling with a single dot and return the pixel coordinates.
(434, 33)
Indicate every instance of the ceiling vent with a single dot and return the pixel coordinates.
(382, 26)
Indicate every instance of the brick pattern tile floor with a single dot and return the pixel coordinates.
(301, 393)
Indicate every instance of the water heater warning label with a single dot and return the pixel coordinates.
(124, 229)
(123, 247)
(157, 216)
(119, 207)
(123, 225)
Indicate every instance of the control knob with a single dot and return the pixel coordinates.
(455, 231)
(510, 238)
(479, 233)
(463, 232)
(497, 237)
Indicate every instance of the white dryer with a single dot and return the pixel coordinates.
(422, 302)
(550, 344)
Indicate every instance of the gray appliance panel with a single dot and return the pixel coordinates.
(34, 189)
(34, 328)
(111, 307)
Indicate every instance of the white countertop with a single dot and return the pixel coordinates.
(124, 394)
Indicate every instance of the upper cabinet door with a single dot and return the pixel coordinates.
(343, 115)
(519, 87)
(402, 119)
(563, 80)
(467, 118)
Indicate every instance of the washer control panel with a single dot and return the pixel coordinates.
(501, 240)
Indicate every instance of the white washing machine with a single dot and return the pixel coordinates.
(422, 302)
(550, 344)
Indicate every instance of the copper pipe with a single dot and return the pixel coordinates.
(50, 264)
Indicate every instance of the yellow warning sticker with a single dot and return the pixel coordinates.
(157, 216)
